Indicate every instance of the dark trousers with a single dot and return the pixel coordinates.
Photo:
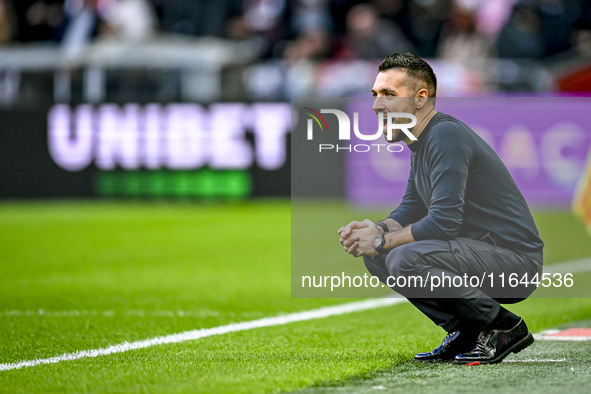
(467, 307)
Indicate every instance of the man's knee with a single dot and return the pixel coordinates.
(371, 263)
(375, 266)
(404, 260)
(417, 257)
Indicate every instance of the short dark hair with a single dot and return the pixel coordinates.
(416, 68)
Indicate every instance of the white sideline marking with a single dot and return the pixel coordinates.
(532, 360)
(572, 266)
(207, 332)
(545, 336)
(542, 334)
(565, 339)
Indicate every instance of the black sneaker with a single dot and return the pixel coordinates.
(453, 344)
(494, 345)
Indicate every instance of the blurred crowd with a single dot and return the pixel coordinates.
(304, 29)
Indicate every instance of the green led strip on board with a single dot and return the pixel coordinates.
(205, 182)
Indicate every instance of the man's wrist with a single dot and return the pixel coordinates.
(390, 240)
(382, 227)
(393, 239)
(387, 241)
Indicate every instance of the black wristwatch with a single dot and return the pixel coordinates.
(384, 226)
(378, 243)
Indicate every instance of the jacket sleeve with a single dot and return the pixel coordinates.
(448, 155)
(412, 208)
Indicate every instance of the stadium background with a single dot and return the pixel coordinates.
(145, 178)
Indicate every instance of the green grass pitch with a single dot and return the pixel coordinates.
(78, 275)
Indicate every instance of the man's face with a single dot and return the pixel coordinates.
(391, 94)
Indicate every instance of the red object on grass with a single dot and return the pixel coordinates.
(573, 332)
(475, 363)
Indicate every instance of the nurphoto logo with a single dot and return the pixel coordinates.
(386, 126)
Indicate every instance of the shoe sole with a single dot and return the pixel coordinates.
(434, 361)
(519, 346)
(441, 360)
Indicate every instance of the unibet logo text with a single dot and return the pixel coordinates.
(176, 136)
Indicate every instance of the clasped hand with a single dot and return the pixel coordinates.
(357, 238)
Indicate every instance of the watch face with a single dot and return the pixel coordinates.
(378, 242)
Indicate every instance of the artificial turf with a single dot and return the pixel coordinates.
(81, 275)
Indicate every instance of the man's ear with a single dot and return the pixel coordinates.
(421, 98)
